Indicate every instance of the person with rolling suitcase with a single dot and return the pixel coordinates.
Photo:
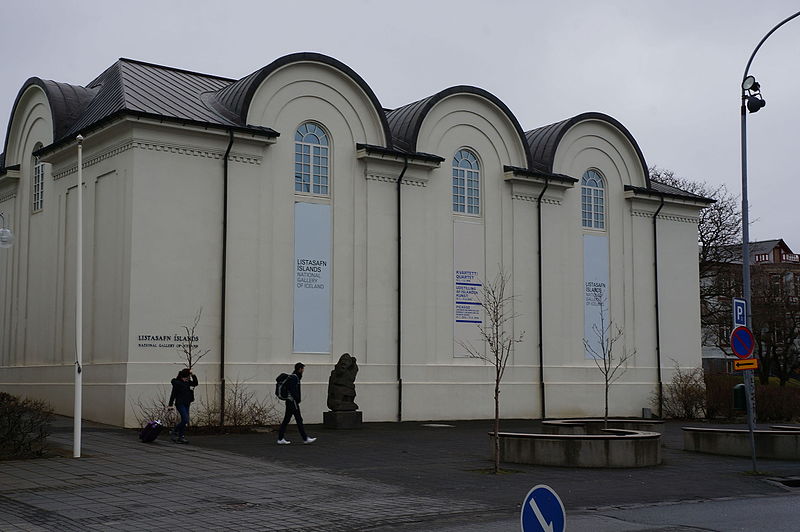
(182, 396)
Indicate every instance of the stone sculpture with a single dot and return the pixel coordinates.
(341, 385)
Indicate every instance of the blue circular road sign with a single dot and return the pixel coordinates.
(542, 511)
(742, 342)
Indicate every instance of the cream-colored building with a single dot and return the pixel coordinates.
(307, 221)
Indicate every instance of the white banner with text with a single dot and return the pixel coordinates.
(312, 278)
(595, 283)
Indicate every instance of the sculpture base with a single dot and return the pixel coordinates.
(342, 420)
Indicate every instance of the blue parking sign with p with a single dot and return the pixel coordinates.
(739, 312)
(542, 511)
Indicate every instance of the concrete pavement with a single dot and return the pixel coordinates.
(386, 476)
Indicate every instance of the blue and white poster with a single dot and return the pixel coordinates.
(468, 273)
(595, 282)
(312, 278)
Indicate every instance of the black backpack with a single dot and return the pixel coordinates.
(281, 391)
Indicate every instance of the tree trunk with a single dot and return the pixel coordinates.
(497, 427)
(605, 417)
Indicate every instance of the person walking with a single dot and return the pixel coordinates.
(293, 407)
(182, 396)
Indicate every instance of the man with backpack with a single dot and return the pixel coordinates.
(288, 389)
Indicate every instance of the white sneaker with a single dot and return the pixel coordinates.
(283, 441)
(309, 440)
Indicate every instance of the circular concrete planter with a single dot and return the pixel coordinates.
(596, 426)
(581, 445)
(782, 444)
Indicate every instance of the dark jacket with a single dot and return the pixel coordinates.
(293, 386)
(182, 393)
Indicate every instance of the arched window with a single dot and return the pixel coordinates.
(37, 184)
(311, 161)
(593, 203)
(466, 183)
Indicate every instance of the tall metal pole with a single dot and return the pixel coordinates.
(77, 411)
(748, 374)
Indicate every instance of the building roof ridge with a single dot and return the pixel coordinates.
(175, 69)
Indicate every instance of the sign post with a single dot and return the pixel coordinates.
(742, 344)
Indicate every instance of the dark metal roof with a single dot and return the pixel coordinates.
(543, 142)
(67, 103)
(658, 188)
(136, 86)
(234, 99)
(538, 173)
(659, 191)
(400, 153)
(130, 87)
(663, 188)
(406, 121)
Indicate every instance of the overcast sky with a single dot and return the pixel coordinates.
(669, 70)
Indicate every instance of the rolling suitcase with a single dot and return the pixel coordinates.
(151, 431)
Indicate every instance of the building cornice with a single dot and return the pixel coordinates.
(152, 145)
(9, 194)
(669, 217)
(409, 181)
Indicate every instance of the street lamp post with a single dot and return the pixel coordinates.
(77, 413)
(752, 101)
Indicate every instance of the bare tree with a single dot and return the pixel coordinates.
(612, 366)
(187, 346)
(499, 342)
(776, 325)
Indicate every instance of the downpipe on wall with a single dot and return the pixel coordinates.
(658, 319)
(399, 296)
(223, 304)
(541, 299)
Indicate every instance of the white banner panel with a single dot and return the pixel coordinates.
(312, 278)
(595, 282)
(468, 275)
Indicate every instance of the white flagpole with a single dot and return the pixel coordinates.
(77, 414)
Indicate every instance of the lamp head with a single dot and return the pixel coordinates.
(750, 84)
(755, 103)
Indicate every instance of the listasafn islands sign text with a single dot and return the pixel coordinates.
(166, 340)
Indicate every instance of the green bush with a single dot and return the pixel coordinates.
(24, 426)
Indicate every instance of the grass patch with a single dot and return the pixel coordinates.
(490, 471)
(758, 473)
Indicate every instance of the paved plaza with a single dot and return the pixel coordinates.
(383, 477)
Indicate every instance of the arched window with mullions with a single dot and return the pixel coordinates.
(37, 183)
(593, 200)
(311, 160)
(466, 183)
